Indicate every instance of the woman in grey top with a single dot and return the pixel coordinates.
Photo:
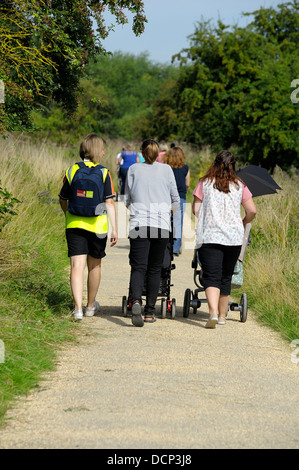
(151, 194)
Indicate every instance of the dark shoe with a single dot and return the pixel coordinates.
(137, 319)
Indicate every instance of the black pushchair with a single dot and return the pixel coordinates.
(191, 298)
(168, 304)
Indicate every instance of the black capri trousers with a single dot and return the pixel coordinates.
(147, 249)
(218, 262)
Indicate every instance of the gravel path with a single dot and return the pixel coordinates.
(169, 385)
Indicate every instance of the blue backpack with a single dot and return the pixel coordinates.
(87, 191)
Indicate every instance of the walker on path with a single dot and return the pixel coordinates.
(191, 298)
(168, 304)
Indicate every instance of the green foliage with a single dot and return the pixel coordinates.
(234, 89)
(116, 99)
(165, 120)
(45, 47)
(7, 204)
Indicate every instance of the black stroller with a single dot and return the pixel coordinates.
(168, 304)
(191, 298)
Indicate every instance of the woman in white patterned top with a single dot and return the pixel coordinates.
(217, 200)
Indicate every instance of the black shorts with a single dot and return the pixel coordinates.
(82, 242)
(218, 262)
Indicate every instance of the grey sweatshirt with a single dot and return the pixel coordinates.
(151, 193)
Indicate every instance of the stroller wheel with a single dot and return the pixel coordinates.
(124, 306)
(173, 308)
(163, 308)
(244, 305)
(186, 306)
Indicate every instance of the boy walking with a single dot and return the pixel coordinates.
(87, 200)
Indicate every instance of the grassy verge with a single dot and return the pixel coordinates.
(271, 265)
(35, 298)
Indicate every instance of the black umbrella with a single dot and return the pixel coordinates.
(258, 180)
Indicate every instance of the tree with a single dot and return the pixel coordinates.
(233, 88)
(132, 83)
(45, 47)
(116, 100)
(163, 122)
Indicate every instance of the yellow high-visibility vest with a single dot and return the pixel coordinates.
(97, 224)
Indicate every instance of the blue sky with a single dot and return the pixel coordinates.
(170, 22)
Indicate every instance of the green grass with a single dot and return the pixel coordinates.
(35, 300)
(271, 264)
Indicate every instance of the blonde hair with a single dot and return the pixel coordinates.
(128, 147)
(163, 147)
(91, 147)
(150, 150)
(174, 157)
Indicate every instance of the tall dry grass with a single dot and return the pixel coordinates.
(26, 168)
(277, 218)
(28, 171)
(35, 298)
(271, 265)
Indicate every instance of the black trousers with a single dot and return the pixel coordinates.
(218, 262)
(123, 176)
(147, 250)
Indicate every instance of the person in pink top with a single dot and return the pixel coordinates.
(217, 199)
(163, 149)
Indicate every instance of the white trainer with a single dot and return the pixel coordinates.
(78, 314)
(89, 312)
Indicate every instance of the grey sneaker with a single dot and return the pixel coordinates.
(211, 323)
(78, 314)
(137, 319)
(89, 312)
